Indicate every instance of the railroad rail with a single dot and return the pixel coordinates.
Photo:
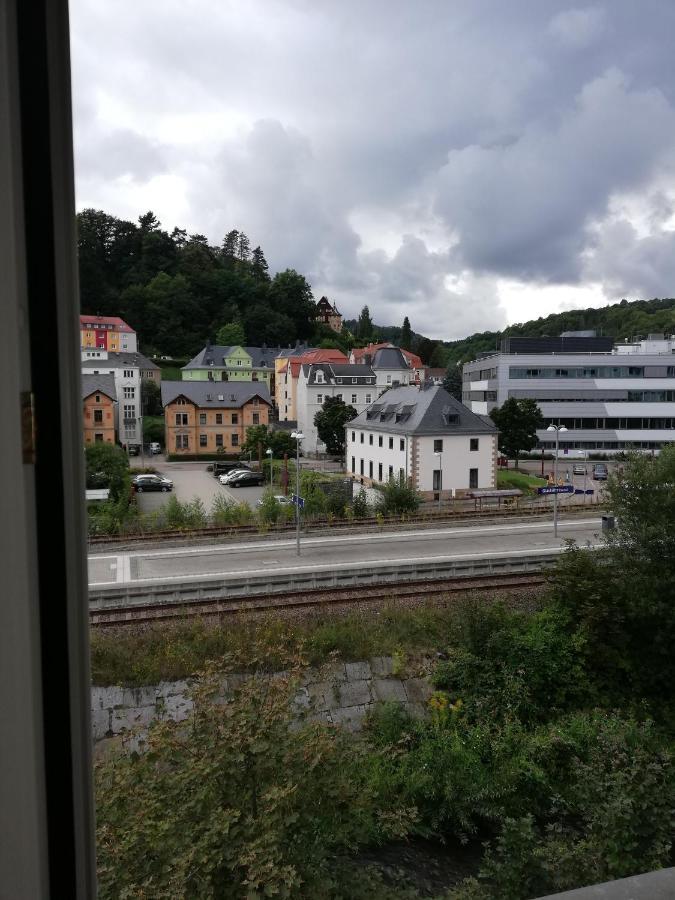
(458, 516)
(140, 614)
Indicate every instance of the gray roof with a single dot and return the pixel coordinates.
(261, 357)
(215, 394)
(389, 358)
(333, 371)
(98, 384)
(119, 361)
(298, 350)
(428, 409)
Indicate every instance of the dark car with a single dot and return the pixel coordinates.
(247, 479)
(222, 468)
(151, 483)
(133, 450)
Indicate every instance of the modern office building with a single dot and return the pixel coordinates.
(610, 396)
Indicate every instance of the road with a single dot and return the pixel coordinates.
(335, 551)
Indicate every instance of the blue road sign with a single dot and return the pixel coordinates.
(298, 501)
(554, 489)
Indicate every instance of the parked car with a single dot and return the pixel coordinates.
(223, 468)
(151, 483)
(578, 469)
(133, 449)
(599, 472)
(280, 498)
(155, 447)
(228, 476)
(246, 479)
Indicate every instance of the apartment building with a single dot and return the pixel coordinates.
(402, 366)
(204, 418)
(107, 333)
(422, 435)
(287, 383)
(355, 385)
(98, 409)
(216, 363)
(128, 371)
(610, 396)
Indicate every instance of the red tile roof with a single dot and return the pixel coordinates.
(413, 359)
(315, 356)
(120, 324)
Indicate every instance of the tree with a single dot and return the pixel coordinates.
(453, 381)
(151, 398)
(517, 421)
(330, 424)
(243, 248)
(290, 295)
(364, 326)
(107, 466)
(259, 267)
(231, 335)
(406, 335)
(230, 247)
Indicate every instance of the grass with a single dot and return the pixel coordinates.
(171, 373)
(178, 650)
(513, 479)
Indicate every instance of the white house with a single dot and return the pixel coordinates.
(355, 385)
(425, 436)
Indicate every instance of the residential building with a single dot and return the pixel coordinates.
(420, 434)
(435, 375)
(98, 401)
(355, 385)
(409, 371)
(327, 314)
(216, 363)
(148, 369)
(610, 397)
(107, 333)
(280, 363)
(205, 418)
(286, 385)
(128, 371)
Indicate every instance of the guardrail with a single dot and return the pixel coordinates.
(202, 587)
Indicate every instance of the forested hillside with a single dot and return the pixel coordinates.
(620, 320)
(176, 290)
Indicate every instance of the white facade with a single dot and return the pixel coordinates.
(375, 456)
(317, 382)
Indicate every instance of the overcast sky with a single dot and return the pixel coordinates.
(467, 164)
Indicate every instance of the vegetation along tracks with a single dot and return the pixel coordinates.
(311, 599)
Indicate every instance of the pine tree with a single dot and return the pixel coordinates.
(406, 335)
(243, 248)
(230, 247)
(259, 267)
(364, 327)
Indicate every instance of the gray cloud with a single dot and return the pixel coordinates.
(411, 157)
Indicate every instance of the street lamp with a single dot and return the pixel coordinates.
(269, 453)
(439, 455)
(557, 429)
(298, 436)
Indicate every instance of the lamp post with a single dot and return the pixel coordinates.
(439, 455)
(298, 435)
(557, 429)
(269, 453)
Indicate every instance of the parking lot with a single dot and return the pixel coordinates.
(190, 480)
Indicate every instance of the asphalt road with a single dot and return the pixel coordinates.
(191, 480)
(277, 554)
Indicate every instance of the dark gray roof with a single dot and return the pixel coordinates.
(334, 371)
(420, 410)
(389, 358)
(98, 384)
(261, 357)
(120, 361)
(215, 394)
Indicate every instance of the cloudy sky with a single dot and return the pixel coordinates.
(468, 164)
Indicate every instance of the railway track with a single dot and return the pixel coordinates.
(316, 598)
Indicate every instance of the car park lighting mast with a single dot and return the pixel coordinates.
(298, 435)
(269, 453)
(557, 429)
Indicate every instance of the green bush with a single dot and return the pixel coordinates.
(360, 505)
(397, 496)
(185, 515)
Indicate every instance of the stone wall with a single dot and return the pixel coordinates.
(338, 694)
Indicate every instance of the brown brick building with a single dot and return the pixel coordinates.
(99, 399)
(207, 418)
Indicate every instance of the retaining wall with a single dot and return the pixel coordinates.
(339, 694)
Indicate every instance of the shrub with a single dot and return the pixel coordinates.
(397, 496)
(360, 505)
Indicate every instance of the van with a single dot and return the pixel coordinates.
(155, 447)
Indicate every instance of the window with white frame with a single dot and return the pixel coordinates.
(202, 440)
(369, 398)
(182, 442)
(354, 398)
(319, 399)
(129, 411)
(128, 373)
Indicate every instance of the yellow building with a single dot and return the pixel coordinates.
(107, 333)
(201, 418)
(98, 400)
